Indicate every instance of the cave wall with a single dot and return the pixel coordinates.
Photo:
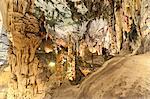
(29, 75)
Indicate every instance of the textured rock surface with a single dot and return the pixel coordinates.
(120, 77)
(29, 75)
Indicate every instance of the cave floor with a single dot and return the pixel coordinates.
(112, 67)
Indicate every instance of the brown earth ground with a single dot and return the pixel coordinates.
(125, 77)
(121, 77)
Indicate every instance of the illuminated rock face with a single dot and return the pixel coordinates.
(28, 73)
(3, 40)
(97, 36)
(1, 22)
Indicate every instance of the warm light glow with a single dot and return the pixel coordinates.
(52, 64)
(1, 22)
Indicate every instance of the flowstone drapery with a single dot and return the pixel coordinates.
(28, 74)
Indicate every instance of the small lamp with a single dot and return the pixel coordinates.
(52, 63)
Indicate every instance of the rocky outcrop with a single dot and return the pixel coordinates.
(120, 77)
(29, 75)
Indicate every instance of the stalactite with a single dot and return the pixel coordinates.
(118, 25)
(29, 75)
(70, 60)
(60, 67)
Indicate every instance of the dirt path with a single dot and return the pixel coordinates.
(119, 77)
